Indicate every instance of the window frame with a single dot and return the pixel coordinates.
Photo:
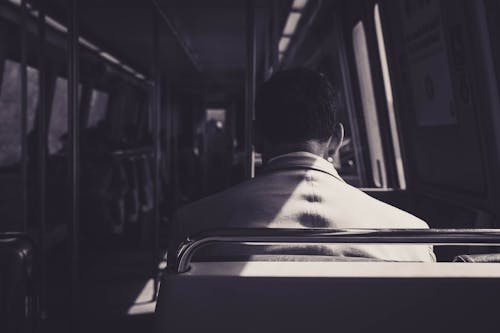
(394, 125)
(354, 14)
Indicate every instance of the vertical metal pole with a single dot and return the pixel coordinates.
(24, 113)
(249, 88)
(73, 156)
(156, 106)
(42, 161)
(274, 35)
(267, 42)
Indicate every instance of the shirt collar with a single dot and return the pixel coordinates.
(302, 160)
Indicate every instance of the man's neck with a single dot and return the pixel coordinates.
(312, 146)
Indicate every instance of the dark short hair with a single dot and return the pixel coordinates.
(296, 105)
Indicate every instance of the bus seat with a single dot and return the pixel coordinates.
(132, 195)
(146, 184)
(118, 189)
(15, 284)
(329, 297)
(478, 258)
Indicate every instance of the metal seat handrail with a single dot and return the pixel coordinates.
(14, 234)
(186, 250)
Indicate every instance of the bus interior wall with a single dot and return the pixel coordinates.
(452, 154)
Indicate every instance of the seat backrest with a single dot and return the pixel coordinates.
(15, 284)
(146, 183)
(330, 297)
(132, 195)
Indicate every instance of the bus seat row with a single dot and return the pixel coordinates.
(117, 194)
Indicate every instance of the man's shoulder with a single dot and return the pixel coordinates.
(364, 208)
(392, 216)
(343, 204)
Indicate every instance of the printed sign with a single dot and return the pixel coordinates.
(428, 61)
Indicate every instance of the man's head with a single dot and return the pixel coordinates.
(295, 110)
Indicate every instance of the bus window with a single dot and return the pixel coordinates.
(216, 116)
(389, 97)
(368, 105)
(10, 110)
(59, 116)
(98, 107)
(32, 100)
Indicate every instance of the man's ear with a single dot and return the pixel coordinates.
(337, 137)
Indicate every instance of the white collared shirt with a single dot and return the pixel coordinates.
(320, 162)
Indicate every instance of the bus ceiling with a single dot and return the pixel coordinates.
(202, 44)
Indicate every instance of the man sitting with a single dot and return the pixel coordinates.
(299, 188)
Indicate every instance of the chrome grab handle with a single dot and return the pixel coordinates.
(486, 237)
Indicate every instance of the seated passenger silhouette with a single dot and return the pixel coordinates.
(299, 188)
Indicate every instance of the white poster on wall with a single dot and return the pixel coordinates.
(428, 63)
